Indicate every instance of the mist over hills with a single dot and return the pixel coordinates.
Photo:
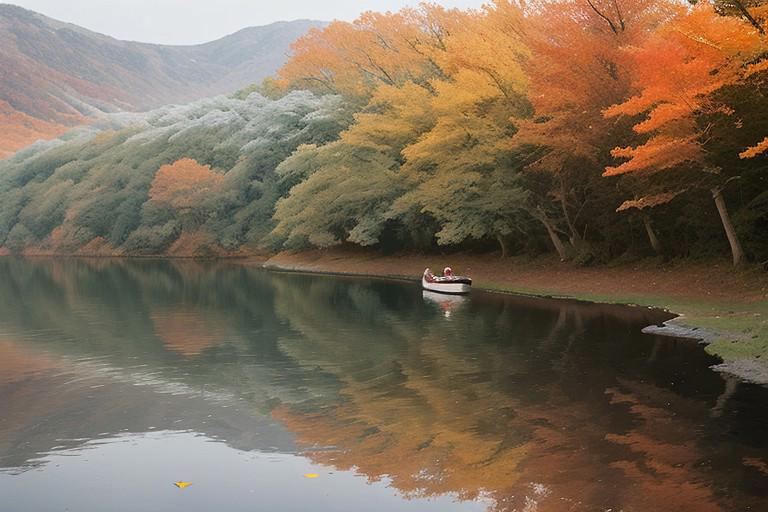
(56, 75)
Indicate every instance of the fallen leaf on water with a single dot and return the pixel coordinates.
(311, 475)
(182, 485)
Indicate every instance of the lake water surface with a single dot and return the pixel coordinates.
(119, 378)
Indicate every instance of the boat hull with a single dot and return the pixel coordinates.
(459, 288)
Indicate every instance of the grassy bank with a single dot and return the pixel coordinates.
(725, 307)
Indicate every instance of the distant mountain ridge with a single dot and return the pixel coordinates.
(57, 74)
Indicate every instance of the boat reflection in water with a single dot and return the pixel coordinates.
(448, 304)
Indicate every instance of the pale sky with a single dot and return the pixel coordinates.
(197, 21)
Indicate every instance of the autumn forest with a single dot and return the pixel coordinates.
(598, 130)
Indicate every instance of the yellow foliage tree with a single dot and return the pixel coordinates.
(349, 184)
(353, 59)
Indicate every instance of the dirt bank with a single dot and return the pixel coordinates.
(723, 307)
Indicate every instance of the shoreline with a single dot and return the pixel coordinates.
(726, 310)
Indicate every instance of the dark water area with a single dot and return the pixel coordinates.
(120, 377)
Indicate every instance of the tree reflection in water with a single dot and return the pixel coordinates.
(533, 404)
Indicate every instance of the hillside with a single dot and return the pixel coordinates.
(181, 179)
(61, 74)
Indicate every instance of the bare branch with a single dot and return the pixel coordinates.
(606, 18)
(618, 13)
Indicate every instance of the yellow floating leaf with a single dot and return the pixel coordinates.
(182, 485)
(311, 475)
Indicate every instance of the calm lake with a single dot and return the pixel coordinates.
(288, 392)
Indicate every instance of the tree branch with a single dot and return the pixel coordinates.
(618, 13)
(606, 18)
(745, 12)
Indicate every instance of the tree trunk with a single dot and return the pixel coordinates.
(651, 234)
(559, 247)
(574, 238)
(503, 246)
(736, 251)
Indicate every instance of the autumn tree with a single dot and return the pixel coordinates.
(458, 171)
(464, 172)
(576, 70)
(676, 74)
(184, 185)
(349, 185)
(353, 59)
(756, 13)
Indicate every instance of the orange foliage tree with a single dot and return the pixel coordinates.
(184, 185)
(576, 70)
(676, 74)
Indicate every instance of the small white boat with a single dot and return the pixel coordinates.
(447, 283)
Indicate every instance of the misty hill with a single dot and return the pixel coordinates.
(94, 191)
(55, 74)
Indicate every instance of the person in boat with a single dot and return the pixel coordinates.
(447, 274)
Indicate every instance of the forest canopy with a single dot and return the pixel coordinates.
(596, 129)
